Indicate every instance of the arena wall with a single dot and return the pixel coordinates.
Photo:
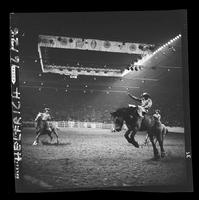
(95, 125)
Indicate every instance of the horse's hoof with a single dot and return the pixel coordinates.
(163, 154)
(145, 144)
(157, 157)
(135, 144)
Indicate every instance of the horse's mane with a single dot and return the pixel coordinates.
(39, 115)
(38, 119)
(125, 111)
(121, 110)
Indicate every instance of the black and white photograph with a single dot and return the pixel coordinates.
(100, 101)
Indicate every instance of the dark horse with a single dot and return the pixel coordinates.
(41, 129)
(136, 123)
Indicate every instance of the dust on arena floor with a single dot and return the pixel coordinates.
(95, 158)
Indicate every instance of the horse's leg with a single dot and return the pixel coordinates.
(37, 131)
(155, 140)
(155, 150)
(160, 138)
(49, 134)
(132, 138)
(126, 135)
(36, 141)
(56, 135)
(146, 141)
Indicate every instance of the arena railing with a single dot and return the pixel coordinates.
(96, 125)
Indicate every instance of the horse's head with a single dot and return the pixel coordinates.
(38, 121)
(117, 120)
(127, 114)
(38, 118)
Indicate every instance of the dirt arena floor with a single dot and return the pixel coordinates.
(95, 158)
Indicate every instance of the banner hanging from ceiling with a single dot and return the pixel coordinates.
(93, 45)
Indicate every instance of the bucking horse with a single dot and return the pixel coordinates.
(42, 128)
(135, 123)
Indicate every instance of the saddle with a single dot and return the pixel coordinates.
(138, 110)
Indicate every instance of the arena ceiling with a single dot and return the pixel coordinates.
(162, 74)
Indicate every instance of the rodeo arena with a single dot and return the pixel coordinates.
(101, 100)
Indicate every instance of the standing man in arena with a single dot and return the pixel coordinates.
(145, 101)
(45, 116)
(158, 123)
(157, 116)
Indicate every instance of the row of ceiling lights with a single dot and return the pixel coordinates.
(84, 91)
(86, 86)
(140, 62)
(146, 58)
(167, 44)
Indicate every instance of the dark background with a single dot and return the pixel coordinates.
(175, 27)
(95, 97)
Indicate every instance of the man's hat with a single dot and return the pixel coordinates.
(47, 109)
(145, 94)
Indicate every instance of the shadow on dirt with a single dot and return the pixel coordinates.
(152, 161)
(169, 158)
(55, 143)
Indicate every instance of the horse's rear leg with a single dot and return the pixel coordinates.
(146, 141)
(56, 136)
(160, 139)
(49, 134)
(155, 150)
